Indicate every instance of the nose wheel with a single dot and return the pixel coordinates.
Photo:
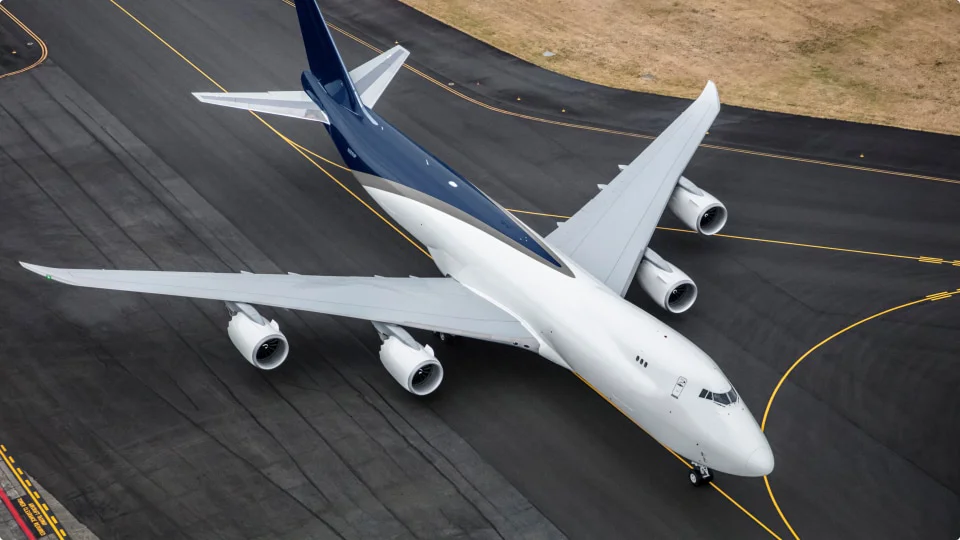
(700, 475)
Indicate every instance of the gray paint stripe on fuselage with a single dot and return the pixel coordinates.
(369, 180)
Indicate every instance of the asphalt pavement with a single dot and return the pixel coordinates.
(136, 413)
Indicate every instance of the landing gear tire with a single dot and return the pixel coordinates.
(700, 476)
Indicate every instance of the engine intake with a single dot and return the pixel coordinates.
(258, 340)
(411, 364)
(697, 209)
(666, 284)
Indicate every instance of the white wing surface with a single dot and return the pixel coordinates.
(295, 104)
(435, 304)
(608, 236)
(373, 77)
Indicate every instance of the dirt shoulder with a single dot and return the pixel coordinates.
(890, 62)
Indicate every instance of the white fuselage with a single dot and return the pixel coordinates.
(632, 359)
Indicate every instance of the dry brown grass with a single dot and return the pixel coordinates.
(893, 62)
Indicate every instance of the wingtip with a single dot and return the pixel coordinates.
(32, 267)
(710, 90)
(39, 270)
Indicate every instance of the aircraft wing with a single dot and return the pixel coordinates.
(295, 104)
(435, 304)
(609, 235)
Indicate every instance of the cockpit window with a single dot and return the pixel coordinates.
(727, 398)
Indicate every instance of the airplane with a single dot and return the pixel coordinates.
(560, 296)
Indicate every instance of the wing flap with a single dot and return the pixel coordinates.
(295, 104)
(435, 304)
(373, 77)
(609, 235)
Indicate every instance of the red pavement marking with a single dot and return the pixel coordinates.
(16, 515)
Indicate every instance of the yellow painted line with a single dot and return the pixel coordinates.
(446, 87)
(776, 389)
(531, 213)
(19, 470)
(767, 241)
(283, 137)
(682, 460)
(776, 506)
(306, 153)
(33, 494)
(45, 507)
(43, 46)
(27, 480)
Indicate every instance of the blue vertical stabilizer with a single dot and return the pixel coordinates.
(323, 57)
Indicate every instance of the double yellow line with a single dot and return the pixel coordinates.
(43, 46)
(32, 492)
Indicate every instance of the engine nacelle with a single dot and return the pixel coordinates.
(258, 340)
(412, 365)
(697, 209)
(665, 283)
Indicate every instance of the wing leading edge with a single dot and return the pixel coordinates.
(435, 304)
(609, 235)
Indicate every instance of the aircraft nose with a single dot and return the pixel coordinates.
(760, 462)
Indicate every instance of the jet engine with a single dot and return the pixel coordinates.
(412, 365)
(696, 208)
(258, 340)
(665, 283)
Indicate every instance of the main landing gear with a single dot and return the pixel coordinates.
(700, 475)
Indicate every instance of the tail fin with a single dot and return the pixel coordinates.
(324, 59)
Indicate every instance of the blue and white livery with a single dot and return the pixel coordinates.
(560, 296)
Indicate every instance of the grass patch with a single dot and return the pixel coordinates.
(892, 62)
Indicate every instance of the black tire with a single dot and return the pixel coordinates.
(697, 478)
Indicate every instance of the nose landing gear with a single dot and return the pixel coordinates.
(700, 475)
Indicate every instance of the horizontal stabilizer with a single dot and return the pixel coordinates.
(295, 104)
(373, 77)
